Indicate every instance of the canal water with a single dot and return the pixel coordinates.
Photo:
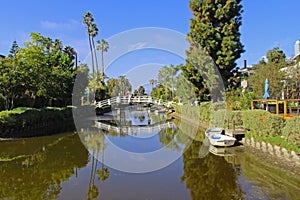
(136, 154)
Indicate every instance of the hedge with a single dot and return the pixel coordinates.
(291, 131)
(19, 118)
(262, 123)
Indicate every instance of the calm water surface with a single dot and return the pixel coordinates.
(69, 165)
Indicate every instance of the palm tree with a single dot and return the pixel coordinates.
(103, 173)
(166, 78)
(70, 51)
(124, 86)
(88, 21)
(152, 82)
(102, 46)
(94, 32)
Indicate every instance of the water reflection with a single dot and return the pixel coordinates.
(210, 177)
(61, 167)
(34, 168)
(136, 140)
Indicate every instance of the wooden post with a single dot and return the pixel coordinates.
(252, 104)
(284, 108)
(277, 107)
(233, 127)
(298, 110)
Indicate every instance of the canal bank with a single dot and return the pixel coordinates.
(273, 154)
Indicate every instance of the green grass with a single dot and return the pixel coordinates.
(279, 141)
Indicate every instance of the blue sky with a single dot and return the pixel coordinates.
(266, 23)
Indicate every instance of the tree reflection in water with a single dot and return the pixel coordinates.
(95, 142)
(34, 168)
(210, 177)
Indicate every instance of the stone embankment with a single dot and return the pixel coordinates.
(278, 155)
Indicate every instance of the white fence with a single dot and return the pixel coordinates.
(129, 99)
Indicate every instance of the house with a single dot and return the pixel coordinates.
(297, 51)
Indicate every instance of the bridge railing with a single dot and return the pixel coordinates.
(133, 99)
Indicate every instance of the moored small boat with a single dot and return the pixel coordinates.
(217, 137)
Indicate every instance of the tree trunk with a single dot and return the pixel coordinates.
(92, 54)
(102, 63)
(95, 54)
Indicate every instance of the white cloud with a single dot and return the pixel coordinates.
(70, 25)
(136, 46)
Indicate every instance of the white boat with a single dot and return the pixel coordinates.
(217, 137)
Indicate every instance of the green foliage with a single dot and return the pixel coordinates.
(42, 69)
(22, 117)
(292, 81)
(269, 70)
(161, 92)
(291, 131)
(141, 90)
(235, 117)
(97, 86)
(238, 100)
(203, 113)
(92, 32)
(263, 123)
(215, 38)
(120, 86)
(102, 46)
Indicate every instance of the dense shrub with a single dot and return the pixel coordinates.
(291, 131)
(234, 117)
(262, 123)
(21, 117)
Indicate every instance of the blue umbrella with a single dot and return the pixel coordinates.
(266, 95)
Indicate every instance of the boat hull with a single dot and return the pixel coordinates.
(218, 138)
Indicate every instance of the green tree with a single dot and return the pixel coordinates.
(152, 82)
(141, 90)
(102, 46)
(166, 77)
(271, 70)
(292, 82)
(81, 84)
(39, 70)
(97, 86)
(215, 28)
(94, 32)
(123, 87)
(70, 51)
(88, 20)
(11, 81)
(111, 86)
(14, 49)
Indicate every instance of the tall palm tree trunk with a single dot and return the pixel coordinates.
(95, 54)
(92, 54)
(102, 54)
